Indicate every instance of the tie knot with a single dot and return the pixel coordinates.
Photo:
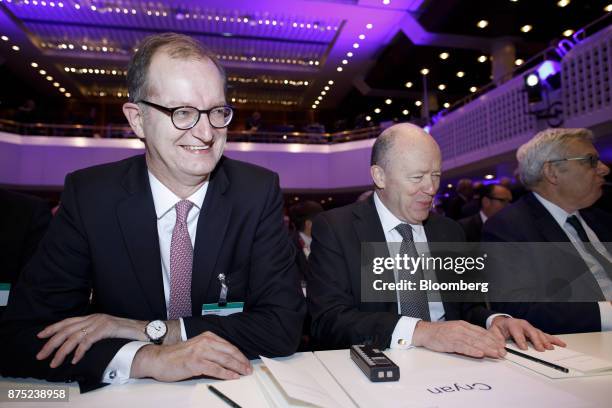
(182, 209)
(574, 222)
(405, 231)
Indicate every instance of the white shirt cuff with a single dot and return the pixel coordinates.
(401, 339)
(118, 370)
(605, 311)
(183, 331)
(493, 316)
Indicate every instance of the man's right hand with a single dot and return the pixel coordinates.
(206, 354)
(458, 337)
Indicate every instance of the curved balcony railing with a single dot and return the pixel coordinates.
(125, 132)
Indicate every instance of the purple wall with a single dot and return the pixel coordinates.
(45, 161)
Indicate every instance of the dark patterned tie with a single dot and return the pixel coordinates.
(605, 264)
(412, 303)
(181, 263)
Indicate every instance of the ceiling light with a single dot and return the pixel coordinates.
(424, 71)
(446, 105)
(408, 84)
(444, 55)
(386, 2)
(314, 106)
(349, 54)
(473, 89)
(339, 69)
(68, 94)
(330, 82)
(563, 3)
(518, 62)
(62, 89)
(361, 36)
(368, 118)
(405, 112)
(56, 84)
(323, 93)
(482, 23)
(526, 28)
(377, 110)
(441, 87)
(319, 97)
(532, 80)
(4, 38)
(42, 72)
(15, 48)
(388, 101)
(317, 102)
(356, 45)
(482, 58)
(449, 185)
(49, 78)
(489, 177)
(418, 103)
(344, 62)
(460, 74)
(568, 33)
(608, 8)
(34, 65)
(369, 26)
(326, 88)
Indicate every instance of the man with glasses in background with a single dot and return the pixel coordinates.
(170, 265)
(494, 198)
(562, 170)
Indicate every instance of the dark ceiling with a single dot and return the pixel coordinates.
(287, 56)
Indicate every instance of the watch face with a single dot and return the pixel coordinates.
(156, 329)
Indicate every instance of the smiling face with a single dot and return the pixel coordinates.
(181, 159)
(410, 177)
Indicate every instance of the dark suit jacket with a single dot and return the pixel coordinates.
(339, 318)
(104, 240)
(23, 222)
(527, 220)
(472, 226)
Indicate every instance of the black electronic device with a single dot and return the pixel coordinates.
(374, 364)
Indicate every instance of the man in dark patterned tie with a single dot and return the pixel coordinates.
(170, 265)
(405, 168)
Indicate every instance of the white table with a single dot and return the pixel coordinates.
(596, 391)
(418, 365)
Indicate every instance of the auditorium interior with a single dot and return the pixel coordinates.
(312, 83)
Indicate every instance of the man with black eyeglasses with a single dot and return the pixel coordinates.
(565, 175)
(170, 265)
(494, 198)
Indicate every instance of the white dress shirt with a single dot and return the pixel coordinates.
(307, 241)
(401, 337)
(605, 283)
(164, 200)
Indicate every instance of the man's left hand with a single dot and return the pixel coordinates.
(520, 330)
(82, 332)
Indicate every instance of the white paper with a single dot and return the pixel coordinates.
(567, 358)
(244, 392)
(299, 385)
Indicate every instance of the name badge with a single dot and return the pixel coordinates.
(5, 288)
(228, 309)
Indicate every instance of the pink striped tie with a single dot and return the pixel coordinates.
(181, 263)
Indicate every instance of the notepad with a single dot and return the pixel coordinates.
(580, 364)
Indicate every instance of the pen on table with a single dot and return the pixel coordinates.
(224, 397)
(537, 360)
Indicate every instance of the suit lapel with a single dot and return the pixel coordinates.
(212, 226)
(545, 223)
(138, 223)
(369, 229)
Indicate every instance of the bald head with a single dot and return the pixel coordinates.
(410, 135)
(406, 164)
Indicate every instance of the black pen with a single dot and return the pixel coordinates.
(224, 397)
(537, 360)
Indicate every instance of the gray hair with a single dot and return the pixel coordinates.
(549, 144)
(176, 46)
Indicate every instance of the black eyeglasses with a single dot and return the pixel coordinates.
(186, 117)
(592, 159)
(501, 200)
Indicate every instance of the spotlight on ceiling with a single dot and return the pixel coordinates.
(482, 24)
